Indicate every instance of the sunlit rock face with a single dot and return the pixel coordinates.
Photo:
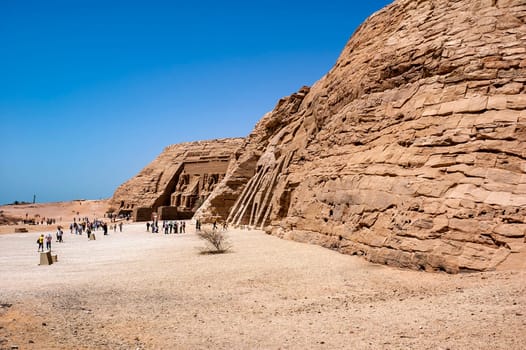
(177, 182)
(410, 151)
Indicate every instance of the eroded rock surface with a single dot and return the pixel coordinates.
(177, 181)
(410, 151)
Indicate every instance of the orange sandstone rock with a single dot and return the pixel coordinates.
(177, 181)
(410, 151)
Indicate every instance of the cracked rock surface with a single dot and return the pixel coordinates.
(410, 152)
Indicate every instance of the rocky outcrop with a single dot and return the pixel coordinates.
(177, 181)
(410, 151)
(247, 159)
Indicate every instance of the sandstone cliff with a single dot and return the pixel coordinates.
(177, 181)
(410, 151)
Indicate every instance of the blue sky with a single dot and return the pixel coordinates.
(92, 91)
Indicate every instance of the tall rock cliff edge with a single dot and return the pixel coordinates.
(410, 151)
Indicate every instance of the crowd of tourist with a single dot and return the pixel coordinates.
(79, 226)
(39, 221)
(168, 227)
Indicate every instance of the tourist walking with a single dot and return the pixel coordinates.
(49, 238)
(40, 241)
(148, 226)
(59, 234)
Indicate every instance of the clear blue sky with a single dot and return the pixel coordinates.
(92, 91)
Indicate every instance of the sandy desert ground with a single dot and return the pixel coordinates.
(138, 290)
(62, 212)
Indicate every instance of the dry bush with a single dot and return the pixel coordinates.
(217, 241)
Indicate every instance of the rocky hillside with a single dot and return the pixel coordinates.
(410, 151)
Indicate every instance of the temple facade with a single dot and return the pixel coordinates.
(177, 182)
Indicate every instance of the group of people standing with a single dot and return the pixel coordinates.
(48, 238)
(115, 227)
(84, 225)
(168, 227)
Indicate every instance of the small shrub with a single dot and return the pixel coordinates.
(217, 241)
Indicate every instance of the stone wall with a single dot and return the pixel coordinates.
(410, 151)
(177, 181)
